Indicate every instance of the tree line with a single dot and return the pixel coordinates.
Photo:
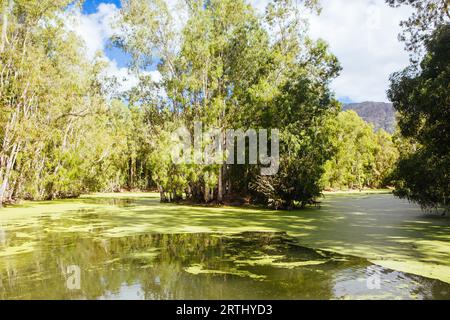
(66, 131)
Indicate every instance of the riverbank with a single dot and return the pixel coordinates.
(357, 191)
(387, 231)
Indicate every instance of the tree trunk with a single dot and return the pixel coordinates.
(6, 175)
(5, 26)
(162, 194)
(206, 193)
(220, 185)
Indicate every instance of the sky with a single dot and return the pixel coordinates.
(361, 33)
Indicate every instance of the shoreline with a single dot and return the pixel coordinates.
(357, 191)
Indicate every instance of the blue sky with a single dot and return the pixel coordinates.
(90, 6)
(361, 33)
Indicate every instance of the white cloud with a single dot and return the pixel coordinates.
(259, 5)
(125, 81)
(95, 30)
(363, 35)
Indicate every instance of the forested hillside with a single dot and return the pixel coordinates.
(380, 114)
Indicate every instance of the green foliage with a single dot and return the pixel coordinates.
(232, 68)
(60, 136)
(427, 16)
(362, 159)
(422, 100)
(301, 111)
(65, 131)
(48, 94)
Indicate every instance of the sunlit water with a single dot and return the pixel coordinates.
(249, 265)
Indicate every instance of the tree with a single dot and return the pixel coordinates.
(428, 15)
(230, 67)
(386, 156)
(60, 135)
(43, 113)
(423, 102)
(363, 158)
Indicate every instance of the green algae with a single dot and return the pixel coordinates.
(250, 265)
(26, 247)
(276, 261)
(148, 255)
(197, 269)
(430, 270)
(377, 227)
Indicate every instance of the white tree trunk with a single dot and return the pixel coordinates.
(6, 11)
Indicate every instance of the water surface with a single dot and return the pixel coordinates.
(111, 244)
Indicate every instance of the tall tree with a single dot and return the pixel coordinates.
(231, 67)
(54, 125)
(427, 16)
(423, 102)
(363, 158)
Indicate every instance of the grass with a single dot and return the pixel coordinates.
(387, 231)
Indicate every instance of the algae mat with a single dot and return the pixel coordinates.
(379, 228)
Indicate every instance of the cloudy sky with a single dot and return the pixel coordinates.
(362, 34)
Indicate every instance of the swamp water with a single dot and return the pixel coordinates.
(201, 266)
(76, 255)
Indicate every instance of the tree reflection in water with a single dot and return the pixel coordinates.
(198, 266)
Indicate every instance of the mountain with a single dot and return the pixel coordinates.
(380, 114)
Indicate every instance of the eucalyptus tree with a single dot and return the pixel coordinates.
(362, 158)
(51, 101)
(229, 66)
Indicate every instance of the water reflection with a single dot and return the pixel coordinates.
(195, 266)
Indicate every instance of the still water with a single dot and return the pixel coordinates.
(249, 265)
